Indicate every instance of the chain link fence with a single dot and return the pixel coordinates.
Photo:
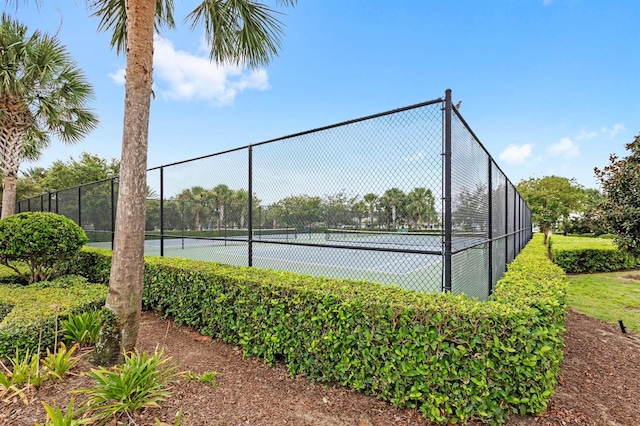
(407, 197)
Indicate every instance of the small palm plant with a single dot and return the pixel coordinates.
(140, 382)
(55, 416)
(82, 328)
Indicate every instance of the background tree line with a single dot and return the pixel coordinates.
(221, 207)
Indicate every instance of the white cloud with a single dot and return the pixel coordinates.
(515, 154)
(546, 2)
(565, 148)
(180, 75)
(415, 157)
(612, 132)
(586, 135)
(118, 77)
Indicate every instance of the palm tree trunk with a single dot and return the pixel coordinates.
(393, 215)
(124, 299)
(9, 185)
(16, 119)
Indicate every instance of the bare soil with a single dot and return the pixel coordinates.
(599, 385)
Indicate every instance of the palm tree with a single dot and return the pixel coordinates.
(240, 32)
(42, 92)
(393, 197)
(240, 200)
(359, 208)
(371, 200)
(196, 198)
(421, 202)
(222, 195)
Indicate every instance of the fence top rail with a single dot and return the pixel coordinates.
(306, 132)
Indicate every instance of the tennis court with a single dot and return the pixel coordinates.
(312, 254)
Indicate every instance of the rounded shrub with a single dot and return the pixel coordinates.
(34, 244)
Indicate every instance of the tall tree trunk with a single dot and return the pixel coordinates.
(16, 119)
(124, 299)
(9, 185)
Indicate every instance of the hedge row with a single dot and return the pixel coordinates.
(578, 255)
(41, 306)
(453, 358)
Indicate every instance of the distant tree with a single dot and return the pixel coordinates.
(371, 200)
(470, 211)
(297, 211)
(195, 202)
(392, 200)
(339, 208)
(30, 183)
(88, 168)
(588, 219)
(421, 205)
(551, 200)
(222, 196)
(620, 182)
(42, 92)
(359, 209)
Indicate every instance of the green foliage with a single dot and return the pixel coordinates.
(551, 199)
(55, 416)
(28, 370)
(82, 328)
(49, 94)
(207, 377)
(453, 358)
(25, 370)
(91, 263)
(88, 168)
(39, 240)
(34, 323)
(177, 422)
(609, 297)
(620, 209)
(59, 362)
(578, 255)
(140, 382)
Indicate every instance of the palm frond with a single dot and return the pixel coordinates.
(239, 32)
(113, 18)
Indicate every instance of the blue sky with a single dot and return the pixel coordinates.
(548, 86)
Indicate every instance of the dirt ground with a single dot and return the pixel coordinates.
(600, 385)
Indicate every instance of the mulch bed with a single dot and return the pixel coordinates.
(599, 385)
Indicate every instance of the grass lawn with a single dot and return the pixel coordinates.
(607, 296)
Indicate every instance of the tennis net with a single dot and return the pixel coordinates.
(218, 237)
(400, 238)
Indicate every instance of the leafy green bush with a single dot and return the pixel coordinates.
(453, 358)
(42, 241)
(91, 263)
(578, 255)
(40, 308)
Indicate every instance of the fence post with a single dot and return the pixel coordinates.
(490, 228)
(447, 191)
(250, 207)
(506, 220)
(161, 211)
(113, 211)
(80, 206)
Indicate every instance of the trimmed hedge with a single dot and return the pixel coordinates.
(35, 244)
(453, 358)
(578, 255)
(31, 312)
